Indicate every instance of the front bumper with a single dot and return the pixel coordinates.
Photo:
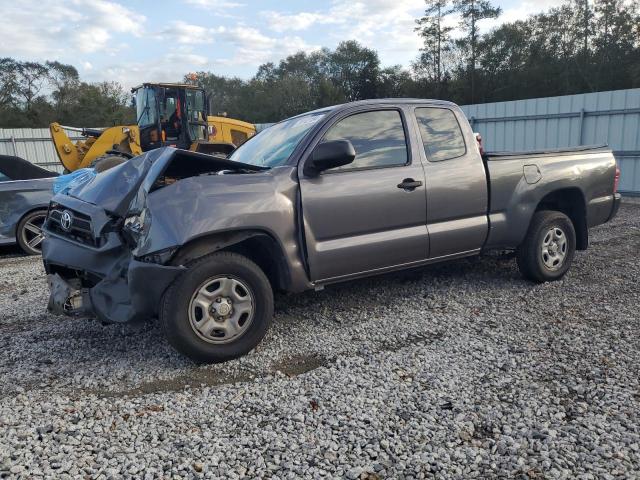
(123, 289)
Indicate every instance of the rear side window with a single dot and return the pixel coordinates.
(377, 137)
(441, 134)
(3, 177)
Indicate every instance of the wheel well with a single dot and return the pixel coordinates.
(29, 212)
(266, 253)
(258, 246)
(570, 201)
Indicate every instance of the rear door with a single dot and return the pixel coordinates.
(359, 218)
(457, 195)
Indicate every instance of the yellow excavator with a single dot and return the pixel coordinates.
(168, 114)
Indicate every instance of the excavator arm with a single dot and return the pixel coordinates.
(125, 139)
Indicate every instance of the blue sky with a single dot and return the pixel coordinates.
(145, 40)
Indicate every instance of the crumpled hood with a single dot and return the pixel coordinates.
(114, 189)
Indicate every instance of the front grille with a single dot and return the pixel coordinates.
(79, 229)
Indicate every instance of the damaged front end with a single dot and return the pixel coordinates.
(92, 253)
(68, 299)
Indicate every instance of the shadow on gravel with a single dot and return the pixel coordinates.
(498, 270)
(11, 250)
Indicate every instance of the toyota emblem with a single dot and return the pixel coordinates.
(66, 220)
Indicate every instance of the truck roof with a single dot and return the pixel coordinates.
(383, 101)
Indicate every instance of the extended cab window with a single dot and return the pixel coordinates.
(377, 137)
(441, 134)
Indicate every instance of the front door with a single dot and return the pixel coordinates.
(369, 215)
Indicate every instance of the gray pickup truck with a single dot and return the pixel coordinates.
(331, 195)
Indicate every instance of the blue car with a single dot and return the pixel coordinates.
(25, 191)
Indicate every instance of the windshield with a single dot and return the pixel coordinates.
(146, 107)
(273, 146)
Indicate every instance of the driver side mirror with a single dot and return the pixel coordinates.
(326, 155)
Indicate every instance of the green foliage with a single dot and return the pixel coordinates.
(580, 46)
(303, 82)
(436, 36)
(33, 94)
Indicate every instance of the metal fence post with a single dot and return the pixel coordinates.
(580, 127)
(15, 147)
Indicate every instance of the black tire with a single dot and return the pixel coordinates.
(532, 262)
(177, 303)
(29, 240)
(105, 162)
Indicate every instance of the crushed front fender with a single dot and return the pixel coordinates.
(126, 290)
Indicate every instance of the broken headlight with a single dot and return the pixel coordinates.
(136, 225)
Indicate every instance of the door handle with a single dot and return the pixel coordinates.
(409, 184)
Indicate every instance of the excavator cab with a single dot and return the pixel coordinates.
(171, 115)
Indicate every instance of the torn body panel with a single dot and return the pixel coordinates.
(104, 282)
(208, 213)
(143, 222)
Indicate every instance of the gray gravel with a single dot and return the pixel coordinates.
(461, 370)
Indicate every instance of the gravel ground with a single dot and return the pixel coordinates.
(461, 370)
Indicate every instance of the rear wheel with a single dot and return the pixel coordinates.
(549, 247)
(29, 232)
(219, 309)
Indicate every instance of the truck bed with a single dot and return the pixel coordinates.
(519, 181)
(545, 152)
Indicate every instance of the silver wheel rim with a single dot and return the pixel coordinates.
(221, 309)
(554, 248)
(32, 234)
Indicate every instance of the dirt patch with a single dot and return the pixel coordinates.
(195, 378)
(300, 364)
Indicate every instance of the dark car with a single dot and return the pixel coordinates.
(25, 191)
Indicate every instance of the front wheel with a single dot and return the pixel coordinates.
(548, 249)
(219, 309)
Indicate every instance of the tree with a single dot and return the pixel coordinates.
(583, 25)
(617, 38)
(102, 104)
(394, 82)
(8, 82)
(31, 77)
(354, 69)
(577, 47)
(64, 80)
(436, 37)
(226, 95)
(505, 61)
(472, 12)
